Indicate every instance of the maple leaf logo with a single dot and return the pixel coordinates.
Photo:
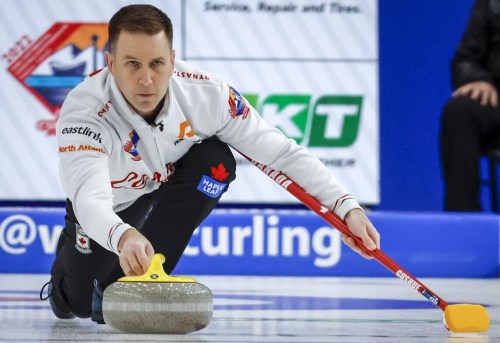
(220, 173)
(82, 241)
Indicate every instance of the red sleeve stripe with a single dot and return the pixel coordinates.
(110, 235)
(341, 199)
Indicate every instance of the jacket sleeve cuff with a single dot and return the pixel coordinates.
(344, 205)
(114, 235)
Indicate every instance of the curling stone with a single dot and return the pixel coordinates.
(157, 303)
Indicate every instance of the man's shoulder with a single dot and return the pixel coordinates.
(90, 97)
(185, 72)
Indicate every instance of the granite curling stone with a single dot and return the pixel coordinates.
(157, 303)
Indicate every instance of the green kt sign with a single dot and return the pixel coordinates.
(330, 121)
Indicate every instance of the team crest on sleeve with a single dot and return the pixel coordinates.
(82, 241)
(237, 104)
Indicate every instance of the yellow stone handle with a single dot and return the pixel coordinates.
(155, 273)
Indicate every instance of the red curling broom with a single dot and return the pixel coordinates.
(463, 318)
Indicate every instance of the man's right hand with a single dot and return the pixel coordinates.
(482, 91)
(136, 253)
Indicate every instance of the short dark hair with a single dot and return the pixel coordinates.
(139, 18)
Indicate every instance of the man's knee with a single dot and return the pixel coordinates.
(76, 266)
(213, 158)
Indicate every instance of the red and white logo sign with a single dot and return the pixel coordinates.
(55, 63)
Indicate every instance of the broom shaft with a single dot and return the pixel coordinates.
(313, 204)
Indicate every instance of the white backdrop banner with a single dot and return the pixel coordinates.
(309, 67)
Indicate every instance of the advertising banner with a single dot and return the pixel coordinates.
(282, 242)
(309, 67)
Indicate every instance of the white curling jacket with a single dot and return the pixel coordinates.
(110, 156)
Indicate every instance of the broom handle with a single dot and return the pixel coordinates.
(340, 225)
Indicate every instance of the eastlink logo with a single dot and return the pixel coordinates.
(86, 131)
(19, 231)
(265, 237)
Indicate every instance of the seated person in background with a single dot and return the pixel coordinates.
(470, 122)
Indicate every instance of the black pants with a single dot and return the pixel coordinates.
(167, 217)
(468, 130)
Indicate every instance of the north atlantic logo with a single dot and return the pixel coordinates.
(55, 63)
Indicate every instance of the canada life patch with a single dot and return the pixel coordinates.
(237, 104)
(214, 186)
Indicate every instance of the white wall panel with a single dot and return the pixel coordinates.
(288, 57)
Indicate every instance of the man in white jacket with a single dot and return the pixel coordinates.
(139, 141)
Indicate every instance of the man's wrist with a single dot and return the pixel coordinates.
(123, 238)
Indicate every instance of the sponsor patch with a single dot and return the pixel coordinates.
(219, 173)
(82, 241)
(190, 75)
(105, 108)
(211, 187)
(81, 147)
(187, 132)
(237, 104)
(131, 146)
(85, 131)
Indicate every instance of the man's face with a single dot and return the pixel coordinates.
(142, 65)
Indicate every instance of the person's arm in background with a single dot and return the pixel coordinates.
(470, 76)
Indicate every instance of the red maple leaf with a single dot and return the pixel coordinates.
(82, 241)
(220, 173)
